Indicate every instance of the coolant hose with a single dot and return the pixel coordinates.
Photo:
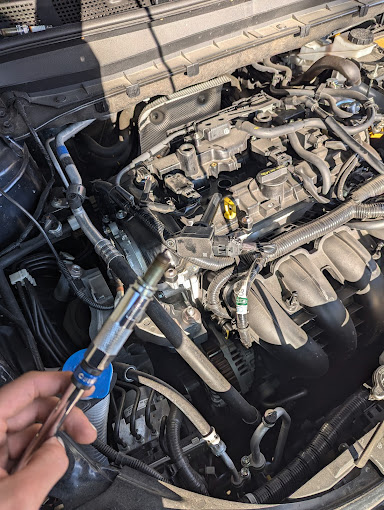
(310, 460)
(126, 460)
(322, 166)
(332, 62)
(188, 476)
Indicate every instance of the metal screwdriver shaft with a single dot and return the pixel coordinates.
(102, 350)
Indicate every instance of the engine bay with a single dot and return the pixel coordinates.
(264, 189)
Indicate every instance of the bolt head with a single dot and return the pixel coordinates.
(244, 472)
(121, 214)
(245, 461)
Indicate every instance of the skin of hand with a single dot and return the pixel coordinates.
(24, 404)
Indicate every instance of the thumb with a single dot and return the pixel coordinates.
(47, 465)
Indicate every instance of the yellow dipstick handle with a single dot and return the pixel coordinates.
(229, 209)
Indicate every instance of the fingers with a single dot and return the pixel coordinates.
(76, 424)
(15, 396)
(18, 441)
(28, 488)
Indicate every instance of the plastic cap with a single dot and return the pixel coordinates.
(103, 382)
(360, 36)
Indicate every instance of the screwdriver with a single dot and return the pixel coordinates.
(102, 350)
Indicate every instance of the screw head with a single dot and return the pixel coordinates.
(245, 461)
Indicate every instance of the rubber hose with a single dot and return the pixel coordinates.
(310, 460)
(338, 112)
(332, 62)
(345, 172)
(366, 225)
(328, 94)
(322, 166)
(264, 69)
(279, 67)
(213, 293)
(126, 460)
(189, 478)
(113, 151)
(346, 137)
(350, 94)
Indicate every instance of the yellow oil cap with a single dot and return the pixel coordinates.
(229, 209)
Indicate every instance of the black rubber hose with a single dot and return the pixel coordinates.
(126, 460)
(30, 246)
(332, 62)
(132, 421)
(312, 458)
(344, 136)
(13, 307)
(113, 151)
(322, 166)
(119, 415)
(190, 480)
(188, 350)
(345, 172)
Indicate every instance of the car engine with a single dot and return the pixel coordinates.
(264, 188)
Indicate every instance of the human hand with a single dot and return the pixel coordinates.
(24, 404)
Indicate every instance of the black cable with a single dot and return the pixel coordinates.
(21, 110)
(39, 334)
(14, 308)
(148, 412)
(126, 460)
(33, 310)
(132, 419)
(63, 268)
(51, 332)
(116, 432)
(28, 229)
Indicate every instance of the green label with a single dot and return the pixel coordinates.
(241, 300)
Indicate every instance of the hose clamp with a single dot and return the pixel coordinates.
(212, 438)
(76, 191)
